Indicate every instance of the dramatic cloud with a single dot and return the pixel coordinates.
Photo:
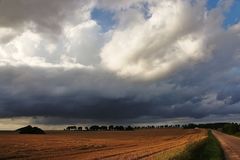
(159, 60)
(176, 32)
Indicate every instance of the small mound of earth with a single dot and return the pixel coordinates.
(30, 130)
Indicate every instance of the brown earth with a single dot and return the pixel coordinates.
(230, 145)
(140, 144)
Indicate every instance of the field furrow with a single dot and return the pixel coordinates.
(108, 145)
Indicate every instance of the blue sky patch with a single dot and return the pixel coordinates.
(104, 18)
(145, 10)
(212, 4)
(233, 15)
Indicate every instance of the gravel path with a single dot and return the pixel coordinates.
(230, 145)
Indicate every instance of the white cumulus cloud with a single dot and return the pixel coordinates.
(177, 32)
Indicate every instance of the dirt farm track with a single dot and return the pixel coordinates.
(139, 144)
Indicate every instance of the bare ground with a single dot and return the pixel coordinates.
(230, 145)
(140, 144)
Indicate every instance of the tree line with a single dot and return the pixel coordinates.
(100, 128)
(117, 128)
(229, 128)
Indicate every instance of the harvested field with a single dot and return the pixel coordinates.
(140, 144)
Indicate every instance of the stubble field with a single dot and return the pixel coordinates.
(139, 144)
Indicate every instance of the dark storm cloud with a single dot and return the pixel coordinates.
(98, 95)
(79, 94)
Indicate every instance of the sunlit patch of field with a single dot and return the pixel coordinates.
(139, 144)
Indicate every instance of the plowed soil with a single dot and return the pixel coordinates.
(139, 144)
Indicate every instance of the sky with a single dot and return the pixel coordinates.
(118, 62)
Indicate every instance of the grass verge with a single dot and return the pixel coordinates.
(208, 149)
(237, 134)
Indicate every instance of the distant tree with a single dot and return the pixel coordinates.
(30, 130)
(119, 128)
(103, 128)
(94, 128)
(71, 128)
(190, 126)
(148, 127)
(231, 128)
(129, 128)
(111, 128)
(86, 128)
(137, 127)
(80, 128)
(177, 126)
